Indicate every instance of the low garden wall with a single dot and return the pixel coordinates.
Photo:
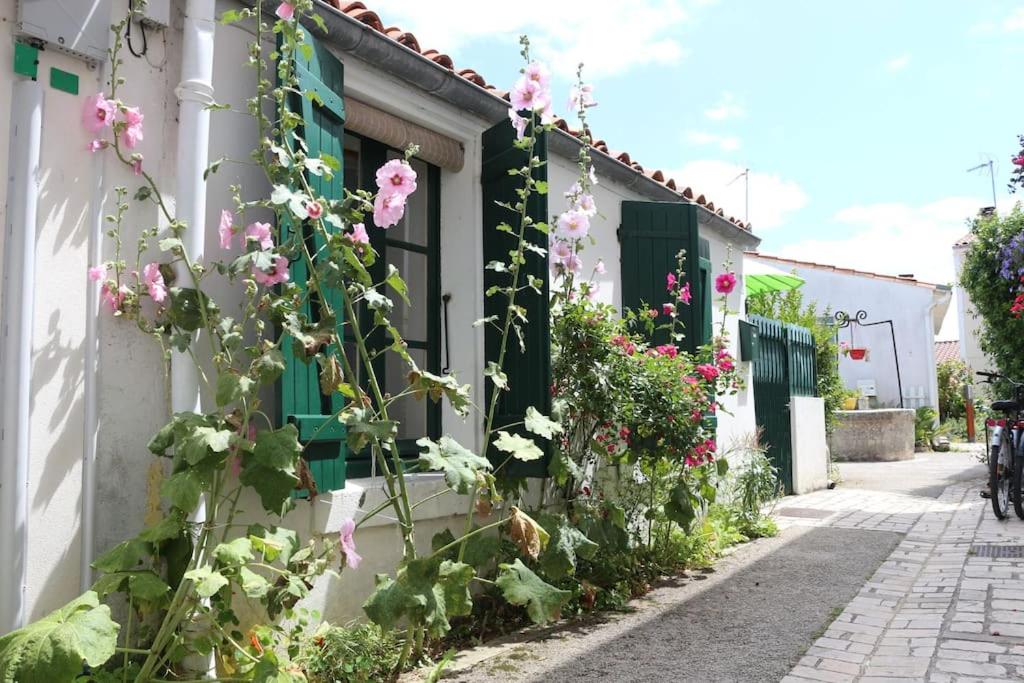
(873, 435)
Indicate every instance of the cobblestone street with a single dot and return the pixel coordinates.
(939, 609)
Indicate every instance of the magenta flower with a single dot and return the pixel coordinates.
(314, 210)
(226, 229)
(667, 350)
(359, 235)
(388, 209)
(277, 276)
(518, 122)
(285, 10)
(1019, 160)
(97, 273)
(348, 544)
(396, 177)
(708, 372)
(670, 281)
(132, 134)
(684, 293)
(98, 113)
(113, 298)
(573, 225)
(137, 164)
(668, 309)
(725, 283)
(154, 282)
(260, 233)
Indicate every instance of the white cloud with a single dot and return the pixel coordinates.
(1014, 21)
(727, 108)
(608, 37)
(772, 198)
(727, 143)
(892, 238)
(898, 63)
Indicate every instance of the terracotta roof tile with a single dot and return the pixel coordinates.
(844, 271)
(359, 12)
(947, 350)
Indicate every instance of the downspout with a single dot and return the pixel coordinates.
(19, 300)
(194, 93)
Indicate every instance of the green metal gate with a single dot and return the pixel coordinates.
(783, 366)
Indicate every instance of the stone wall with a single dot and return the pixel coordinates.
(873, 435)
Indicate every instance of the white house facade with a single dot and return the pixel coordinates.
(94, 389)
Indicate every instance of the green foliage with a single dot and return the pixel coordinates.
(953, 377)
(357, 653)
(521, 586)
(55, 647)
(926, 427)
(992, 295)
(754, 486)
(789, 307)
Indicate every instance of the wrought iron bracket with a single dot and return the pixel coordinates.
(843, 320)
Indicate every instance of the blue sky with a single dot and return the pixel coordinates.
(858, 120)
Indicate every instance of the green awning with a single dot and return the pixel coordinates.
(760, 277)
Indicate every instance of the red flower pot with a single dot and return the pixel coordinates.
(858, 354)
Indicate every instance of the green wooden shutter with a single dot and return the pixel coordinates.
(529, 373)
(707, 291)
(651, 235)
(300, 400)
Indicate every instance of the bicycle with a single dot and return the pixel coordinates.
(1006, 451)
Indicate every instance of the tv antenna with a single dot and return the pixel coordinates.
(746, 192)
(991, 176)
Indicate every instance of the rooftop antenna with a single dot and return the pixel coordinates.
(991, 176)
(746, 192)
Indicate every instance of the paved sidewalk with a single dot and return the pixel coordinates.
(938, 609)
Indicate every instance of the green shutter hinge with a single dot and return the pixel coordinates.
(26, 60)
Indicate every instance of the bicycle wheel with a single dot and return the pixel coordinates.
(999, 481)
(1015, 485)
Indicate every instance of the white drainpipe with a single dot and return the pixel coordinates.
(16, 349)
(195, 93)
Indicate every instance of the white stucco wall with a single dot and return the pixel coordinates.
(968, 322)
(810, 450)
(909, 305)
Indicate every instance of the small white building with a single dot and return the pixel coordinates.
(915, 308)
(968, 321)
(96, 386)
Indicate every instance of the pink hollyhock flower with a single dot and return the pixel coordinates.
(725, 283)
(684, 293)
(539, 74)
(154, 282)
(113, 298)
(396, 177)
(670, 281)
(261, 234)
(573, 263)
(667, 309)
(279, 274)
(359, 234)
(528, 95)
(1019, 160)
(689, 379)
(97, 273)
(696, 415)
(573, 225)
(98, 113)
(285, 10)
(133, 132)
(581, 95)
(652, 313)
(97, 145)
(585, 204)
(708, 372)
(388, 209)
(561, 250)
(599, 267)
(726, 365)
(314, 210)
(593, 176)
(137, 164)
(518, 122)
(574, 190)
(667, 350)
(348, 544)
(226, 229)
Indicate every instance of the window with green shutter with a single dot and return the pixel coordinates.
(651, 234)
(412, 246)
(529, 371)
(707, 291)
(300, 400)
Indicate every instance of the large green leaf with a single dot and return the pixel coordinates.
(273, 484)
(126, 555)
(566, 543)
(53, 649)
(234, 553)
(679, 507)
(540, 424)
(183, 489)
(199, 442)
(207, 580)
(454, 578)
(185, 309)
(274, 543)
(278, 448)
(519, 447)
(521, 586)
(425, 592)
(253, 585)
(458, 463)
